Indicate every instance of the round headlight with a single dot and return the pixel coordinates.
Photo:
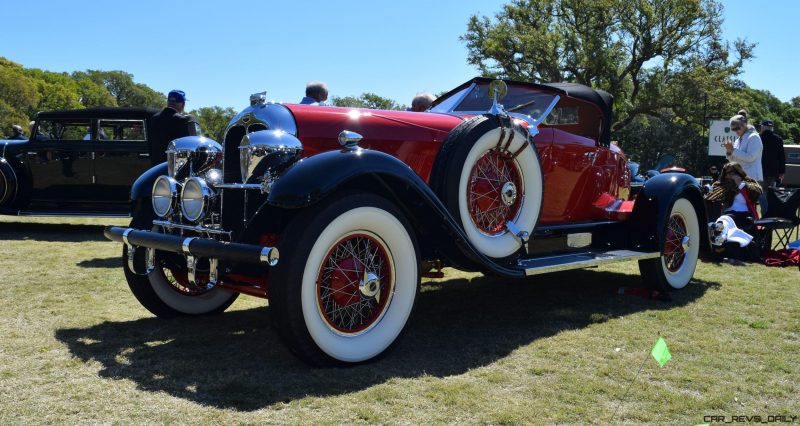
(165, 196)
(195, 198)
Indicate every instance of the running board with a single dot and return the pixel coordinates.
(67, 213)
(565, 262)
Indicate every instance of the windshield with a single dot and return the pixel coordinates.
(521, 100)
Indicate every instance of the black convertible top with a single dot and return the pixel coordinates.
(601, 98)
(101, 112)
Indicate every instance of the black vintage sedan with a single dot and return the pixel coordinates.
(76, 163)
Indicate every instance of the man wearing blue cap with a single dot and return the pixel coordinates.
(170, 124)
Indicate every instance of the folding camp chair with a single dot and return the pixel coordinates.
(781, 218)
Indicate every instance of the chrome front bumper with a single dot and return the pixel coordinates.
(191, 247)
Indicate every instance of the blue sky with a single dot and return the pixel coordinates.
(219, 52)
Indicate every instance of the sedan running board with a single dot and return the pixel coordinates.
(565, 262)
(69, 213)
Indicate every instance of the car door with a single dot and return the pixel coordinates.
(120, 156)
(60, 163)
(571, 181)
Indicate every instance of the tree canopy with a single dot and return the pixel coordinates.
(664, 61)
(644, 52)
(26, 91)
(367, 100)
(213, 120)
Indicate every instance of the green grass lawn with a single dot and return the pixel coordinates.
(556, 349)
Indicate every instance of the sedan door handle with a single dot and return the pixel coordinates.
(144, 155)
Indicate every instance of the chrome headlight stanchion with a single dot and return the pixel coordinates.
(150, 261)
(213, 273)
(131, 252)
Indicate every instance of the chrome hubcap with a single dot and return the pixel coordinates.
(685, 243)
(509, 193)
(370, 286)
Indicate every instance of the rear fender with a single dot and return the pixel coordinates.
(652, 207)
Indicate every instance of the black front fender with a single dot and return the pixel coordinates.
(314, 178)
(653, 205)
(143, 186)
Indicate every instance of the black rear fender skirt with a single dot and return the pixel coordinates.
(653, 204)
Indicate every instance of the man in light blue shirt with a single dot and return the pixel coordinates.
(316, 93)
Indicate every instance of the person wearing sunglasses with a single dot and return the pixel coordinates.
(747, 148)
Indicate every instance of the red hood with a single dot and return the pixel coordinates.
(412, 137)
(309, 117)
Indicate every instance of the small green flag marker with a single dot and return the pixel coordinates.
(660, 352)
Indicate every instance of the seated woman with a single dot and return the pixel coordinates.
(738, 194)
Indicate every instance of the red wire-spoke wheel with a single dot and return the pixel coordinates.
(488, 175)
(166, 291)
(495, 192)
(676, 242)
(348, 293)
(355, 283)
(179, 280)
(673, 269)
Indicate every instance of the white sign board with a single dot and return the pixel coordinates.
(718, 133)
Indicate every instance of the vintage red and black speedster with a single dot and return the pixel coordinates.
(361, 203)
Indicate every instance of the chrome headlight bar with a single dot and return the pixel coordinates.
(267, 153)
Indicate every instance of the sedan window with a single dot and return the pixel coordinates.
(122, 130)
(63, 129)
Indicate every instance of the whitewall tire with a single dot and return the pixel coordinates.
(177, 296)
(674, 269)
(488, 175)
(351, 297)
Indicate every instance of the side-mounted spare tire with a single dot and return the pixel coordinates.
(487, 174)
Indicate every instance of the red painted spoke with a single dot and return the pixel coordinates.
(341, 302)
(674, 253)
(485, 199)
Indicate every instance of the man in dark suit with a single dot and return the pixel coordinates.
(170, 124)
(773, 159)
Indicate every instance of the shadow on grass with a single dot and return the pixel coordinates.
(11, 231)
(105, 262)
(236, 360)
